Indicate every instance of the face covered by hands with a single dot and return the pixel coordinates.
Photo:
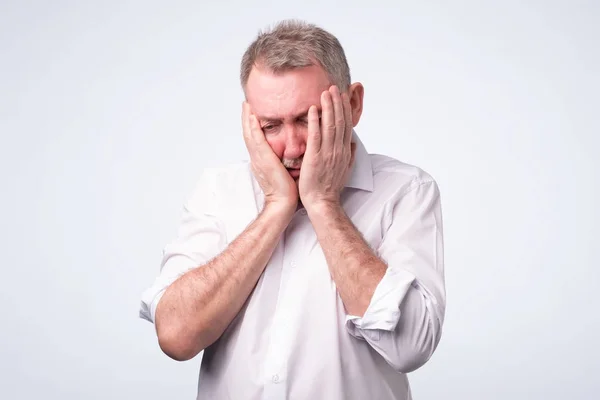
(307, 123)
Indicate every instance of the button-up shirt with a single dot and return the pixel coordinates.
(293, 339)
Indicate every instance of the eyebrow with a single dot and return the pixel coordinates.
(302, 114)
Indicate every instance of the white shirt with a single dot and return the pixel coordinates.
(293, 339)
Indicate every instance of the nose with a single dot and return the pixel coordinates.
(295, 143)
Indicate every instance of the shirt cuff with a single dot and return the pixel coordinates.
(148, 307)
(383, 312)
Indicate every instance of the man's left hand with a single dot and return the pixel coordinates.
(329, 152)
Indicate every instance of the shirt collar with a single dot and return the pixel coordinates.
(362, 171)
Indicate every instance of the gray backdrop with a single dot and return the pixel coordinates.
(109, 110)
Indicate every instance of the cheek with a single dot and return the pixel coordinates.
(277, 144)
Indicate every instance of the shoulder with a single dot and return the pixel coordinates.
(405, 190)
(392, 174)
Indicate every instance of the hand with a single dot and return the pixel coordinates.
(277, 184)
(329, 152)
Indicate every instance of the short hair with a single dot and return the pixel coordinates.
(292, 44)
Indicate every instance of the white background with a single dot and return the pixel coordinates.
(110, 109)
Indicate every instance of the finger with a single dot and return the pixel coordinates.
(265, 156)
(245, 121)
(256, 132)
(339, 116)
(327, 122)
(259, 142)
(348, 118)
(313, 145)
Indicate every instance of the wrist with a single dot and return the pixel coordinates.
(279, 212)
(323, 208)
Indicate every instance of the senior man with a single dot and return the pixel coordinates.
(315, 270)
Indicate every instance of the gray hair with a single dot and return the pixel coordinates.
(295, 44)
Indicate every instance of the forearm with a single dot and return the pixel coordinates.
(354, 267)
(196, 309)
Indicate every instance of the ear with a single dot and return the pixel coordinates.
(356, 92)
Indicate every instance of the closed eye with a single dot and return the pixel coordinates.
(269, 128)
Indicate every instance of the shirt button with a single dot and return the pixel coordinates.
(275, 378)
(303, 212)
(293, 264)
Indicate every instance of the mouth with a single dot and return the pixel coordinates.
(294, 172)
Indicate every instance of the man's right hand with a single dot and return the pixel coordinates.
(278, 186)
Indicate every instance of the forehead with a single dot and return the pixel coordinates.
(285, 94)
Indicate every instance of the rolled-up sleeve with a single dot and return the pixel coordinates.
(404, 319)
(200, 237)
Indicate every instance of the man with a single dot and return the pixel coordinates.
(315, 270)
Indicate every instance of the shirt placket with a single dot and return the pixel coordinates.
(281, 332)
